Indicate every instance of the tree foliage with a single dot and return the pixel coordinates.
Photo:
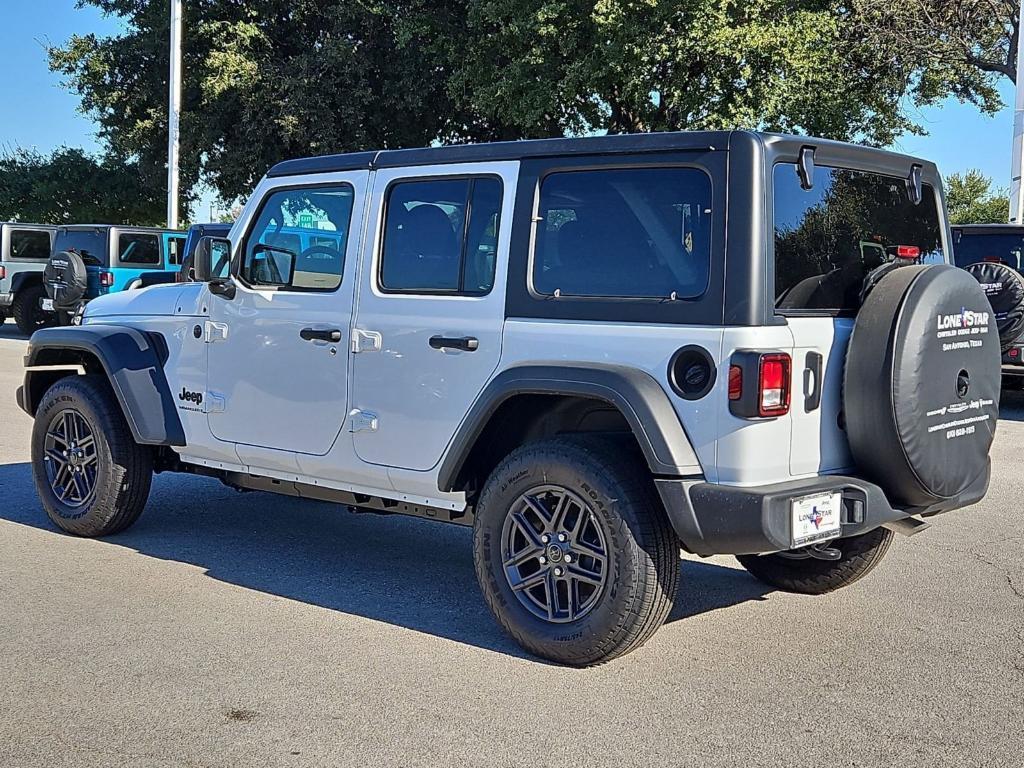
(69, 186)
(970, 199)
(945, 47)
(272, 79)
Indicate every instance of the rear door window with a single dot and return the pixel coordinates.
(441, 236)
(30, 244)
(137, 249)
(631, 233)
(90, 244)
(828, 238)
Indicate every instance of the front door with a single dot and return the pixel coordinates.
(278, 357)
(431, 308)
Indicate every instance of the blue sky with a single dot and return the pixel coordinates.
(37, 112)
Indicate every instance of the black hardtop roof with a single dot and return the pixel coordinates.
(630, 143)
(991, 228)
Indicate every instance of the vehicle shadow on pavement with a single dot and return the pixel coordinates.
(411, 573)
(8, 330)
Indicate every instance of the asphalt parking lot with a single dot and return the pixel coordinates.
(252, 630)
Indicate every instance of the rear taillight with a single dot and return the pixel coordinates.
(106, 279)
(908, 251)
(759, 384)
(773, 385)
(3, 273)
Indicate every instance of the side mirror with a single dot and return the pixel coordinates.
(271, 266)
(211, 260)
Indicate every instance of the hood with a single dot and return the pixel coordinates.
(154, 301)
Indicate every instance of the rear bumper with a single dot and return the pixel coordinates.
(713, 519)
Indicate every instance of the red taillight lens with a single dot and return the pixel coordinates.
(3, 273)
(908, 251)
(1014, 352)
(992, 260)
(735, 382)
(773, 385)
(106, 279)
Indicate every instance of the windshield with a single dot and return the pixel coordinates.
(971, 247)
(90, 244)
(828, 238)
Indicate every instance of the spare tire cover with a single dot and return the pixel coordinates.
(1005, 290)
(66, 279)
(921, 385)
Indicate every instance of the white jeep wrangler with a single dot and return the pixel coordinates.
(593, 351)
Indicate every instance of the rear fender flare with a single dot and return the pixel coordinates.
(642, 401)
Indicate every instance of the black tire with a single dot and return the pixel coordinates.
(121, 472)
(66, 279)
(921, 385)
(1004, 288)
(810, 576)
(641, 570)
(28, 311)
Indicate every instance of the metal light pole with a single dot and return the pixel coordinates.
(1016, 193)
(174, 110)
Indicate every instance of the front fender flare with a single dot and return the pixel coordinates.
(636, 394)
(133, 363)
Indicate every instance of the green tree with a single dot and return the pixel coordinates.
(970, 199)
(943, 47)
(271, 79)
(70, 186)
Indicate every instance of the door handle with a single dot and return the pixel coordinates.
(464, 343)
(812, 381)
(320, 334)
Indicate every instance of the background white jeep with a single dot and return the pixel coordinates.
(594, 351)
(24, 251)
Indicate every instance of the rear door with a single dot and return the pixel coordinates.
(827, 240)
(431, 307)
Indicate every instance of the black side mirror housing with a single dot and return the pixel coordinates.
(210, 264)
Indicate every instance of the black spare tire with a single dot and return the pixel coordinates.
(66, 279)
(1005, 290)
(921, 385)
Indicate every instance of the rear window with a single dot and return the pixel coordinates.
(90, 244)
(827, 239)
(138, 249)
(30, 244)
(629, 233)
(971, 247)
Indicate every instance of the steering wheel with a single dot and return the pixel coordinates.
(325, 250)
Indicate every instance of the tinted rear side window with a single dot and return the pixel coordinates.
(639, 232)
(90, 244)
(441, 236)
(972, 247)
(827, 239)
(138, 249)
(175, 250)
(29, 244)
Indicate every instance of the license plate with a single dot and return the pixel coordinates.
(47, 305)
(816, 518)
